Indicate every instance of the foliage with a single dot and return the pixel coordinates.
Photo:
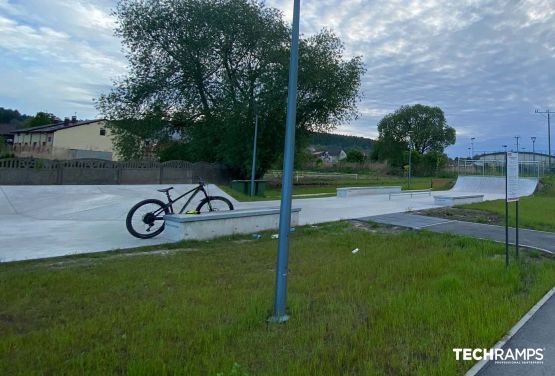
(41, 118)
(355, 155)
(424, 126)
(9, 116)
(423, 129)
(203, 68)
(341, 141)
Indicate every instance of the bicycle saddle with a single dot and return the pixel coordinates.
(165, 190)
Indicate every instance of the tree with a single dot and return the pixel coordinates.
(355, 156)
(424, 126)
(201, 69)
(9, 116)
(41, 118)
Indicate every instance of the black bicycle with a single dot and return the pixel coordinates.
(145, 220)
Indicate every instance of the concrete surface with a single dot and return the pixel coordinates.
(56, 220)
(537, 332)
(527, 238)
(209, 225)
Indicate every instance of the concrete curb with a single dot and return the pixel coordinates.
(482, 363)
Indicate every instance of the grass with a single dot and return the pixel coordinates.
(397, 307)
(535, 212)
(328, 187)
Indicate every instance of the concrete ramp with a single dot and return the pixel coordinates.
(492, 185)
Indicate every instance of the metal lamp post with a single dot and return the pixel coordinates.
(533, 148)
(253, 168)
(410, 159)
(506, 211)
(472, 145)
(279, 314)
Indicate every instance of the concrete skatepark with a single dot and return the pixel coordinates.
(57, 220)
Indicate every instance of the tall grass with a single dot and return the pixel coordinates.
(397, 307)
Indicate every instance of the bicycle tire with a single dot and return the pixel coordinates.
(129, 219)
(203, 206)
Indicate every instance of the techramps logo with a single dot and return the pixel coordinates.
(502, 356)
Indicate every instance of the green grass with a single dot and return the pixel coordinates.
(328, 187)
(397, 307)
(535, 212)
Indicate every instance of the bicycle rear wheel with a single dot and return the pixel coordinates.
(145, 220)
(214, 203)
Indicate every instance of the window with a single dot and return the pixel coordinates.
(102, 132)
(49, 138)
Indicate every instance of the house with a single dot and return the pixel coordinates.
(68, 139)
(332, 155)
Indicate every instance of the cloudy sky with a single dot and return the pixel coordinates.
(487, 63)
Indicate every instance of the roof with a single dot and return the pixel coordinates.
(48, 128)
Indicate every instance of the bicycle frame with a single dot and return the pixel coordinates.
(196, 190)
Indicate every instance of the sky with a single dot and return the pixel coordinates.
(487, 63)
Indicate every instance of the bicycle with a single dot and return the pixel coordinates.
(148, 215)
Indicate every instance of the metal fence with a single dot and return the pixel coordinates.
(497, 168)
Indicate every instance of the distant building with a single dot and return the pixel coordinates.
(68, 139)
(330, 155)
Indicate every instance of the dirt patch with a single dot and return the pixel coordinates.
(467, 215)
(377, 227)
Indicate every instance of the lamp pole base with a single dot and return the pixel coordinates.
(278, 319)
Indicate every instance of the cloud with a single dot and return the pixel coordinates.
(487, 63)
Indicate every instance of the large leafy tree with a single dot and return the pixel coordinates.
(424, 127)
(41, 118)
(199, 70)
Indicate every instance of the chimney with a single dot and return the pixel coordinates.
(66, 121)
(74, 119)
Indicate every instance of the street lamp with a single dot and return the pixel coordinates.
(517, 138)
(533, 148)
(472, 144)
(253, 168)
(279, 314)
(410, 158)
(469, 151)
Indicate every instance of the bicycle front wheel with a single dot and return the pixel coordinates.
(214, 203)
(146, 219)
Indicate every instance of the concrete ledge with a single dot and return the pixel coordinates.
(344, 192)
(212, 225)
(457, 200)
(412, 193)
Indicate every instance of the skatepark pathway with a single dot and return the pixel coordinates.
(541, 240)
(539, 330)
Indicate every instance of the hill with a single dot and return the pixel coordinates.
(331, 140)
